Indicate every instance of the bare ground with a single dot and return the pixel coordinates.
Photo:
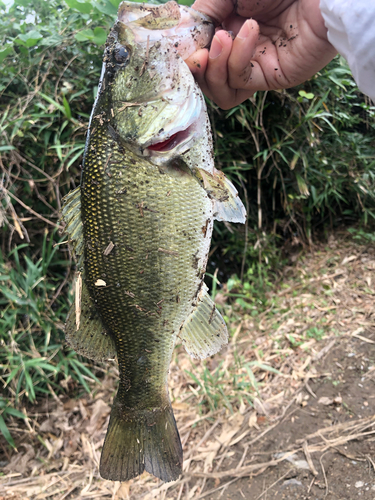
(301, 425)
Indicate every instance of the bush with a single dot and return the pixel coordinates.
(303, 158)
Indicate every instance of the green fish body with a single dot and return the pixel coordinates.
(141, 224)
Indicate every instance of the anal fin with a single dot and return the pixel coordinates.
(204, 332)
(84, 330)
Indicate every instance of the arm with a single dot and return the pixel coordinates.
(351, 29)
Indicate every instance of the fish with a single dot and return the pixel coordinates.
(140, 224)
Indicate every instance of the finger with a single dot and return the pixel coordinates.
(218, 10)
(197, 63)
(240, 63)
(233, 23)
(216, 76)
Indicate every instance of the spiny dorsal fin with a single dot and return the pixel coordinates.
(71, 216)
(204, 332)
(227, 204)
(84, 330)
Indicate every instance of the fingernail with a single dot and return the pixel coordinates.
(216, 48)
(244, 31)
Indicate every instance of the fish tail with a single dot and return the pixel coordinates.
(141, 440)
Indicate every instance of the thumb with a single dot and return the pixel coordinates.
(218, 10)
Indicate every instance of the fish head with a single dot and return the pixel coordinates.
(156, 109)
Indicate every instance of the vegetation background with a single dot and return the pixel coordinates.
(302, 159)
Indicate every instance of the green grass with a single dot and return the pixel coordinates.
(33, 359)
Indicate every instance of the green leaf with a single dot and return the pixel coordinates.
(30, 38)
(100, 36)
(106, 7)
(68, 112)
(51, 101)
(307, 95)
(83, 7)
(84, 35)
(115, 3)
(12, 411)
(5, 52)
(5, 431)
(54, 39)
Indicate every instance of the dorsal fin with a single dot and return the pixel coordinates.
(71, 216)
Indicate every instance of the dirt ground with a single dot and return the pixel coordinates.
(344, 394)
(306, 430)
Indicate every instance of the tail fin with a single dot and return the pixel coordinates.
(141, 440)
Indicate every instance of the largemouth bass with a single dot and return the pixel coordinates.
(141, 224)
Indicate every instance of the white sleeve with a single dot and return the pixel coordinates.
(351, 30)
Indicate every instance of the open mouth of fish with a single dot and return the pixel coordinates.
(186, 126)
(178, 138)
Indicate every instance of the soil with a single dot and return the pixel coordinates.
(344, 472)
(308, 433)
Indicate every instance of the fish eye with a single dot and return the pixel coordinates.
(121, 54)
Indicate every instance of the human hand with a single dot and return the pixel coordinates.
(278, 44)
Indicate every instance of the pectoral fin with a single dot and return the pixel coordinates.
(227, 204)
(204, 332)
(71, 215)
(84, 330)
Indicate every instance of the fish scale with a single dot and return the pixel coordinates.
(175, 208)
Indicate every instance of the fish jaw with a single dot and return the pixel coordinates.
(187, 29)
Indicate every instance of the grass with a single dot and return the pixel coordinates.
(34, 362)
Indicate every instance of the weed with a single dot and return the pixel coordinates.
(33, 360)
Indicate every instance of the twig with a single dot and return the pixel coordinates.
(273, 484)
(217, 489)
(324, 473)
(308, 458)
(30, 209)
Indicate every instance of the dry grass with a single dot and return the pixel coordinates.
(327, 295)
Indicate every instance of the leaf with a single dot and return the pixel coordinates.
(100, 36)
(5, 52)
(15, 413)
(68, 112)
(302, 186)
(30, 38)
(83, 7)
(106, 7)
(84, 35)
(49, 41)
(115, 3)
(307, 95)
(5, 432)
(294, 161)
(24, 3)
(51, 101)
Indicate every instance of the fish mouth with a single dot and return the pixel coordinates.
(173, 141)
(178, 140)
